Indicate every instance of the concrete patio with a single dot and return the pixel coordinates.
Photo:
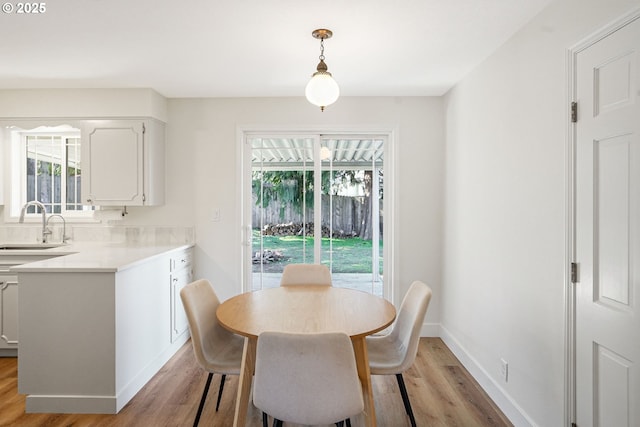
(361, 281)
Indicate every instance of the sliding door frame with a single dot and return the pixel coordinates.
(243, 136)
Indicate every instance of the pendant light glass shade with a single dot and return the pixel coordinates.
(322, 90)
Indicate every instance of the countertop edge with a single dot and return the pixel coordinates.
(97, 258)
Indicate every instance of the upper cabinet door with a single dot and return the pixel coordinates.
(123, 163)
(112, 172)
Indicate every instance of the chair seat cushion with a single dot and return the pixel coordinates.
(224, 356)
(386, 355)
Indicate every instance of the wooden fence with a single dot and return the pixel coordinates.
(344, 215)
(49, 192)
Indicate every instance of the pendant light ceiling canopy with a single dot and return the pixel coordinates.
(322, 89)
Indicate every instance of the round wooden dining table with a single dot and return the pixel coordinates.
(305, 309)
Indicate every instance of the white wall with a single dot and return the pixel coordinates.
(82, 103)
(505, 216)
(91, 103)
(207, 129)
(202, 166)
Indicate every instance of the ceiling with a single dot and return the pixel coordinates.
(255, 48)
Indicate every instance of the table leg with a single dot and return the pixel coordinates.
(244, 383)
(364, 373)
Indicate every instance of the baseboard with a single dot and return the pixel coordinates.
(142, 378)
(85, 404)
(70, 404)
(9, 352)
(430, 330)
(506, 404)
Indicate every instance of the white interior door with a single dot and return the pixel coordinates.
(608, 231)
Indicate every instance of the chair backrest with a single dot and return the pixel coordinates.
(307, 378)
(406, 329)
(305, 274)
(207, 335)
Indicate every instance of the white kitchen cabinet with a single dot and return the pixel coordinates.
(123, 162)
(95, 330)
(9, 299)
(181, 275)
(8, 313)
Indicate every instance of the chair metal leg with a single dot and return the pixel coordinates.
(265, 420)
(405, 399)
(202, 399)
(224, 377)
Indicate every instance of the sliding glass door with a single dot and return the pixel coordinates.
(281, 206)
(315, 199)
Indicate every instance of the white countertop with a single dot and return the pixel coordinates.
(91, 256)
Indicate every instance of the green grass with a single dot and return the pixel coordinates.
(351, 255)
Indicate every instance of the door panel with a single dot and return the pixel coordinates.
(613, 186)
(612, 399)
(614, 83)
(282, 222)
(608, 231)
(355, 160)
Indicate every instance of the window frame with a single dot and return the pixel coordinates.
(389, 134)
(14, 137)
(64, 137)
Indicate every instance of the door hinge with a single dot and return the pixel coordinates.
(144, 129)
(574, 272)
(574, 112)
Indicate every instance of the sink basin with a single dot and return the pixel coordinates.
(28, 246)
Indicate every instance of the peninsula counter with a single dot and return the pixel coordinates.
(97, 323)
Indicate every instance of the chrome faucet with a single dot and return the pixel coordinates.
(44, 217)
(64, 227)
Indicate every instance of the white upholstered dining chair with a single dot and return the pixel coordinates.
(305, 274)
(216, 350)
(394, 353)
(306, 379)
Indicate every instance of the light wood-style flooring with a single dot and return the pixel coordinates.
(442, 393)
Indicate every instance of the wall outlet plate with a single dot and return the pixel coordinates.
(504, 370)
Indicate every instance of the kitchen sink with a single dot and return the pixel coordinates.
(28, 246)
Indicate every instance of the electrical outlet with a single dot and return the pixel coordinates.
(504, 370)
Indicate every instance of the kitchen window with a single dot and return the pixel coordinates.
(44, 164)
(53, 172)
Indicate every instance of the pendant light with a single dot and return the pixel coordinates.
(322, 89)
